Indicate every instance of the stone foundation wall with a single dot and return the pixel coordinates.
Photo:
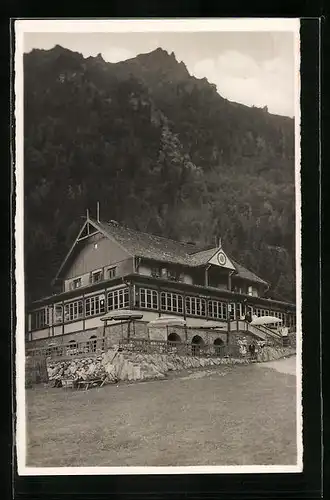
(115, 366)
(186, 334)
(272, 353)
(114, 332)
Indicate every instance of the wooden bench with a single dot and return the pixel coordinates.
(86, 384)
(67, 383)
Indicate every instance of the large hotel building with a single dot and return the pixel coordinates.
(111, 267)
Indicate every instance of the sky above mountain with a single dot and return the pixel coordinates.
(252, 68)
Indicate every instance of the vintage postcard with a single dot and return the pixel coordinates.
(158, 241)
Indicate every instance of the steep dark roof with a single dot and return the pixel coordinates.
(162, 249)
(245, 274)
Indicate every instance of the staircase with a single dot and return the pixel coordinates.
(262, 332)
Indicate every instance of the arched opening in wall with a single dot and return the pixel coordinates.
(197, 343)
(218, 346)
(173, 341)
(92, 343)
(72, 347)
(174, 337)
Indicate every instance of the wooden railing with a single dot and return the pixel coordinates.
(91, 347)
(266, 334)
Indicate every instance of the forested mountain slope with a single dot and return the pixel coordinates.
(163, 152)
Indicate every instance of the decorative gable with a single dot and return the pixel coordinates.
(222, 260)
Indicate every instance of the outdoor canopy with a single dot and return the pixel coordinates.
(122, 315)
(214, 325)
(168, 321)
(265, 320)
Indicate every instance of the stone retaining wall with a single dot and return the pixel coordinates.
(272, 353)
(116, 366)
(36, 371)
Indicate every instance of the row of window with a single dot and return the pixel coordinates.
(196, 306)
(287, 319)
(95, 277)
(169, 274)
(148, 299)
(171, 302)
(91, 306)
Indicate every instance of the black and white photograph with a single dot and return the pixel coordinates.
(158, 240)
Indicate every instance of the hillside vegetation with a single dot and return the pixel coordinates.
(163, 152)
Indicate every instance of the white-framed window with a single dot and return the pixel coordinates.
(172, 302)
(118, 299)
(58, 313)
(95, 305)
(73, 310)
(148, 298)
(232, 311)
(196, 306)
(217, 309)
(112, 272)
(96, 276)
(39, 319)
(250, 290)
(76, 283)
(238, 310)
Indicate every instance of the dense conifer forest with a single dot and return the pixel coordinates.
(163, 152)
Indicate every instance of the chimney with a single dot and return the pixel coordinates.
(87, 213)
(219, 243)
(98, 212)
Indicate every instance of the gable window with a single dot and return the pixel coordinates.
(96, 276)
(250, 290)
(111, 272)
(155, 272)
(173, 275)
(76, 283)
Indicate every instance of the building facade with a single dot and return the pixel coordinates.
(111, 267)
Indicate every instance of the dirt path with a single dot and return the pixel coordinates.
(284, 365)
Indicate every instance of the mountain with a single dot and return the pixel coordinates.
(163, 152)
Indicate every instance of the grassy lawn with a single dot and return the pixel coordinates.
(240, 415)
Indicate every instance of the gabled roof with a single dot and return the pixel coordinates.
(245, 274)
(148, 245)
(163, 249)
(158, 248)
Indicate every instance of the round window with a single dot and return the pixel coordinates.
(222, 258)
